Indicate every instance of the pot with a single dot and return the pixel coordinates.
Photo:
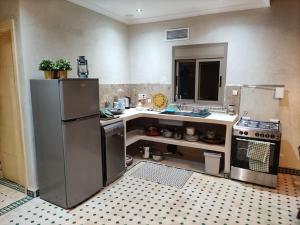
(177, 135)
(152, 131)
(210, 134)
(49, 74)
(190, 130)
(129, 160)
(157, 155)
(167, 133)
(62, 74)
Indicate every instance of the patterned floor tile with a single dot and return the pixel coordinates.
(202, 200)
(9, 195)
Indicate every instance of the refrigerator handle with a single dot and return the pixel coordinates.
(83, 118)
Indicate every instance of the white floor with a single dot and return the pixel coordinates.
(202, 200)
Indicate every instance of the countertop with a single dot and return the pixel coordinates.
(216, 118)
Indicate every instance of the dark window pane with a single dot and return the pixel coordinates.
(186, 79)
(209, 73)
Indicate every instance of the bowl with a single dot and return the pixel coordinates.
(116, 111)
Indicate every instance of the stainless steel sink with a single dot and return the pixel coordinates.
(185, 113)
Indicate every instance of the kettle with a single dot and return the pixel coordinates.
(127, 101)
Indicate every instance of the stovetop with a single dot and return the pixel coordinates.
(264, 130)
(258, 124)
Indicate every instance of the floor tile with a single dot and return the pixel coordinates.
(202, 200)
(9, 195)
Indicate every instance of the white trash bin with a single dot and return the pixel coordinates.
(212, 163)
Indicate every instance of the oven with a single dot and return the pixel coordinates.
(239, 153)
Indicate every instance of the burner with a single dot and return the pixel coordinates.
(257, 129)
(268, 126)
(248, 123)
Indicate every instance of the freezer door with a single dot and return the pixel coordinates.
(83, 159)
(79, 98)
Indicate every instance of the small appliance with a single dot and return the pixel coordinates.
(127, 101)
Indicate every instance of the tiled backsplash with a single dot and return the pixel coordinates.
(109, 91)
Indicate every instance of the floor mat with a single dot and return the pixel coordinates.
(162, 174)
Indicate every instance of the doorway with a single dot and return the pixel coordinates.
(11, 140)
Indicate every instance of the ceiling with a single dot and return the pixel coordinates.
(159, 10)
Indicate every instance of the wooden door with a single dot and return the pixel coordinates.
(11, 145)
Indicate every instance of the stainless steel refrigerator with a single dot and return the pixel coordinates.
(68, 141)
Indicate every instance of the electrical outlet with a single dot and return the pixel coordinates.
(140, 96)
(235, 92)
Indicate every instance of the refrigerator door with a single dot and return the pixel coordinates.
(79, 98)
(83, 159)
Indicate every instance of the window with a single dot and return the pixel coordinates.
(185, 77)
(209, 80)
(199, 80)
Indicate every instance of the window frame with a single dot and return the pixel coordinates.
(195, 56)
(222, 73)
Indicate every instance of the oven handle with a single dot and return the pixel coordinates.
(240, 139)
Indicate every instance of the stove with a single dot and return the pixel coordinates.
(246, 131)
(257, 129)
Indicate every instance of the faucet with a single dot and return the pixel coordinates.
(179, 103)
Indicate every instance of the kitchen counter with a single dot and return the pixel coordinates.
(111, 121)
(215, 118)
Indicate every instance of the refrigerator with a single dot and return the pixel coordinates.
(68, 140)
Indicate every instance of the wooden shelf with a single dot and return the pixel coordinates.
(136, 135)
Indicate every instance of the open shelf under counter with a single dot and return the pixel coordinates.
(195, 166)
(136, 135)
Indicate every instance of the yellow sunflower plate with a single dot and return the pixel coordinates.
(159, 101)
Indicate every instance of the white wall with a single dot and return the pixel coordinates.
(57, 28)
(263, 48)
(60, 29)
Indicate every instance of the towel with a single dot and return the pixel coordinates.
(258, 153)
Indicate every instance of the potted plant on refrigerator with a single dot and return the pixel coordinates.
(63, 66)
(48, 67)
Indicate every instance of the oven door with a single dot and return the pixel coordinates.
(239, 153)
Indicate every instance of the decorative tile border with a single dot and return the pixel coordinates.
(289, 171)
(14, 205)
(17, 203)
(12, 185)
